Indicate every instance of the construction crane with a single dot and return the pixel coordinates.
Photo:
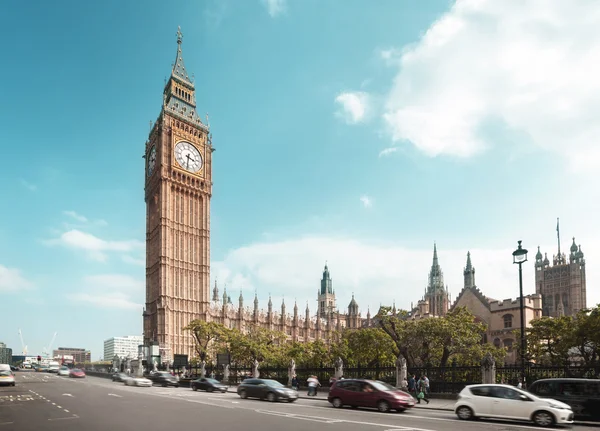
(48, 350)
(23, 346)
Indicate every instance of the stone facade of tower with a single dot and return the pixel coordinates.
(436, 300)
(562, 285)
(178, 188)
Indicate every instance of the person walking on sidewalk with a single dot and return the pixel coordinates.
(313, 384)
(412, 385)
(422, 391)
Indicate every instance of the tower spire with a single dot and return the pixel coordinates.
(435, 256)
(558, 235)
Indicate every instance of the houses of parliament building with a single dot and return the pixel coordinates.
(178, 188)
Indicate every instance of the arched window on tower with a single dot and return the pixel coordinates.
(508, 321)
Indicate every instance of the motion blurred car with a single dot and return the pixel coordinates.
(369, 393)
(119, 377)
(268, 389)
(508, 402)
(164, 379)
(208, 385)
(76, 373)
(63, 371)
(7, 378)
(136, 381)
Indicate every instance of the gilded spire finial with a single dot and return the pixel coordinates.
(179, 35)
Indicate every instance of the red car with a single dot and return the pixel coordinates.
(369, 393)
(77, 373)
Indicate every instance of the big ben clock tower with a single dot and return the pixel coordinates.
(178, 188)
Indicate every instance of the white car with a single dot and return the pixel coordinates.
(137, 381)
(508, 402)
(63, 371)
(7, 377)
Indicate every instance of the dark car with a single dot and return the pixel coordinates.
(369, 393)
(267, 389)
(119, 377)
(583, 395)
(208, 385)
(164, 379)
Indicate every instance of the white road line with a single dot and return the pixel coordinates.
(59, 407)
(63, 419)
(67, 395)
(115, 395)
(66, 410)
(6, 423)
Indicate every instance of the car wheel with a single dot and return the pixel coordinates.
(337, 403)
(464, 413)
(243, 395)
(383, 406)
(271, 397)
(194, 388)
(543, 419)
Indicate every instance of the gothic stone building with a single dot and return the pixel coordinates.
(178, 189)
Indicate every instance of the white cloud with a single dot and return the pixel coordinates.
(366, 201)
(531, 65)
(29, 186)
(377, 273)
(76, 216)
(133, 261)
(275, 7)
(95, 247)
(387, 151)
(106, 300)
(114, 281)
(110, 291)
(11, 280)
(354, 106)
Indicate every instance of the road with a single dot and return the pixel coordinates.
(42, 402)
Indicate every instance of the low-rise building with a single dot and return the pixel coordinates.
(79, 355)
(122, 346)
(5, 354)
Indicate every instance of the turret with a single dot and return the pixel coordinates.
(469, 273)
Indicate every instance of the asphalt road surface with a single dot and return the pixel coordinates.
(42, 402)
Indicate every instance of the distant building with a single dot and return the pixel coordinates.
(5, 354)
(79, 355)
(122, 346)
(562, 285)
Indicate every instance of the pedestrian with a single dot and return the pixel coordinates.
(422, 391)
(295, 385)
(404, 384)
(412, 385)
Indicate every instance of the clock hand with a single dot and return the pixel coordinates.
(188, 161)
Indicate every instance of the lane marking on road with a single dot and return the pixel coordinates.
(208, 404)
(66, 410)
(6, 423)
(67, 395)
(115, 395)
(64, 419)
(301, 417)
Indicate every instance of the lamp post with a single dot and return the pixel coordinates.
(520, 257)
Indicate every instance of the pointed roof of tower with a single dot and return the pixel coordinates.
(538, 255)
(241, 298)
(469, 265)
(295, 305)
(255, 298)
(179, 71)
(435, 256)
(573, 246)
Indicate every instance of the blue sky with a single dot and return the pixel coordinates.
(349, 131)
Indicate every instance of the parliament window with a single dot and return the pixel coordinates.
(508, 320)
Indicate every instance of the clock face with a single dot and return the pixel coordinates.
(151, 161)
(188, 157)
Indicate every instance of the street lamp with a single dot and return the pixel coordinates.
(520, 257)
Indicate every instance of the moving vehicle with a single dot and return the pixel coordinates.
(508, 402)
(119, 377)
(7, 377)
(63, 371)
(136, 381)
(208, 385)
(53, 367)
(270, 390)
(164, 379)
(583, 395)
(76, 373)
(369, 393)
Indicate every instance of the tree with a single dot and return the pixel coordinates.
(206, 333)
(368, 346)
(397, 326)
(257, 343)
(549, 340)
(585, 337)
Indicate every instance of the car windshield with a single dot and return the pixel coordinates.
(76, 370)
(273, 383)
(382, 386)
(213, 381)
(5, 373)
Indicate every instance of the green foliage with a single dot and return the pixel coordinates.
(256, 343)
(209, 337)
(367, 346)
